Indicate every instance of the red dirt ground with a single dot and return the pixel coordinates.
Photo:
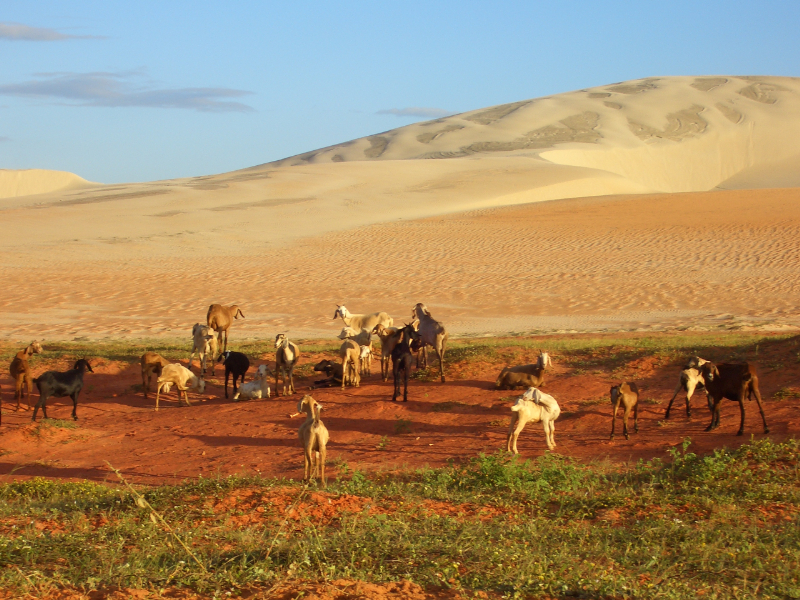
(439, 423)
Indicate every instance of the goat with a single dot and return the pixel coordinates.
(524, 375)
(432, 333)
(54, 383)
(20, 371)
(314, 438)
(286, 358)
(182, 378)
(359, 322)
(366, 360)
(628, 394)
(333, 370)
(690, 380)
(219, 318)
(258, 388)
(350, 353)
(204, 342)
(389, 337)
(732, 381)
(401, 359)
(362, 337)
(152, 363)
(235, 363)
(533, 406)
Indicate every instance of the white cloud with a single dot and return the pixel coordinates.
(416, 111)
(117, 89)
(18, 32)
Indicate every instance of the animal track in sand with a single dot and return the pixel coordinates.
(683, 124)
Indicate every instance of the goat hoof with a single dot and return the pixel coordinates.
(766, 429)
(626, 437)
(612, 437)
(709, 428)
(740, 432)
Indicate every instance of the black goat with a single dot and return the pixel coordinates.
(732, 381)
(53, 383)
(402, 358)
(236, 363)
(333, 370)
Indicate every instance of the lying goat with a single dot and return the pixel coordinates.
(333, 370)
(54, 383)
(258, 388)
(524, 375)
(533, 406)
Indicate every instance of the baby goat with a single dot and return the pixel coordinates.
(533, 406)
(628, 394)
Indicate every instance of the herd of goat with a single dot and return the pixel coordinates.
(734, 381)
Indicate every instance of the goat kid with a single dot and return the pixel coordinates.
(533, 406)
(628, 394)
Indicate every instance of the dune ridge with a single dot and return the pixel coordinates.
(28, 182)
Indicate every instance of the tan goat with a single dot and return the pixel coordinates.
(152, 364)
(533, 406)
(219, 318)
(350, 353)
(314, 438)
(389, 336)
(182, 378)
(628, 394)
(21, 371)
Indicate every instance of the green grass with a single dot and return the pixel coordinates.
(723, 525)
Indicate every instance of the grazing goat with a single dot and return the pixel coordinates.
(152, 363)
(314, 438)
(533, 406)
(401, 359)
(431, 332)
(258, 388)
(732, 381)
(359, 322)
(690, 381)
(333, 370)
(204, 342)
(362, 338)
(182, 378)
(628, 394)
(389, 337)
(54, 383)
(350, 353)
(219, 318)
(524, 375)
(20, 371)
(235, 363)
(286, 358)
(366, 360)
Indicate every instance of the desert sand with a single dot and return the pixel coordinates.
(673, 203)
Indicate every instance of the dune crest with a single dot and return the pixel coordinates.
(29, 182)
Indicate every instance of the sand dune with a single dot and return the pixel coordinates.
(29, 182)
(426, 212)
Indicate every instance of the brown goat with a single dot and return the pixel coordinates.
(219, 318)
(152, 363)
(732, 381)
(524, 375)
(628, 394)
(21, 371)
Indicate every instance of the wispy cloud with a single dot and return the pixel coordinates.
(4, 139)
(117, 89)
(25, 33)
(416, 111)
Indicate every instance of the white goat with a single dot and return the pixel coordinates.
(533, 406)
(359, 322)
(366, 360)
(205, 343)
(182, 378)
(258, 388)
(362, 337)
(690, 380)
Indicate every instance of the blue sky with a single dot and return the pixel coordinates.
(139, 91)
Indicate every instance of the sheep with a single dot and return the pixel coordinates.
(20, 371)
(690, 380)
(533, 406)
(54, 383)
(366, 360)
(350, 352)
(628, 394)
(314, 438)
(219, 318)
(258, 388)
(359, 322)
(401, 359)
(235, 363)
(152, 363)
(524, 375)
(389, 337)
(732, 381)
(204, 343)
(182, 378)
(362, 337)
(285, 360)
(432, 333)
(333, 370)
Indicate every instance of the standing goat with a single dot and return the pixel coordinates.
(219, 318)
(286, 358)
(432, 333)
(389, 337)
(152, 364)
(21, 371)
(204, 342)
(54, 383)
(359, 322)
(314, 438)
(350, 353)
(182, 378)
(732, 381)
(524, 375)
(533, 406)
(691, 379)
(402, 358)
(628, 394)
(366, 360)
(235, 363)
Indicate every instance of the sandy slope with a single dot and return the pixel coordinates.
(417, 214)
(28, 182)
